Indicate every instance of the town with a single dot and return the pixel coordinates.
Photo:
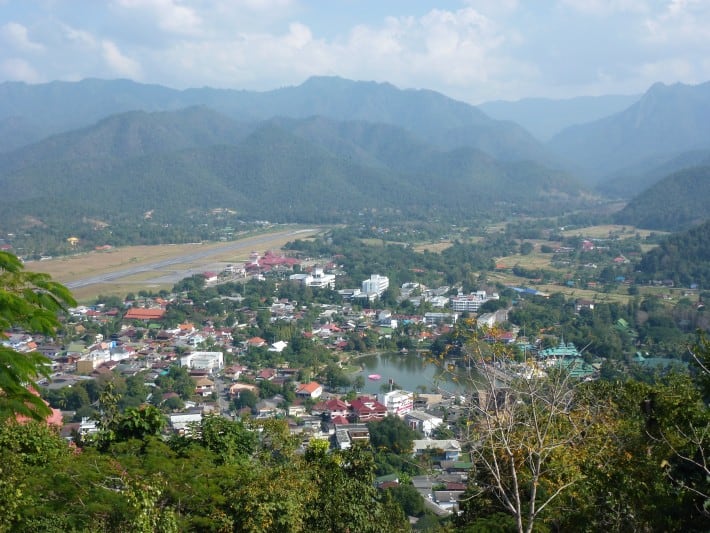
(273, 338)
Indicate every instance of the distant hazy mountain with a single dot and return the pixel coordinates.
(433, 117)
(312, 169)
(19, 131)
(62, 106)
(666, 122)
(544, 117)
(677, 202)
(632, 181)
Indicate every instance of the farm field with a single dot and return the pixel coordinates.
(608, 231)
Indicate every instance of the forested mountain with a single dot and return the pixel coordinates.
(676, 202)
(682, 257)
(433, 117)
(129, 135)
(667, 121)
(545, 117)
(313, 169)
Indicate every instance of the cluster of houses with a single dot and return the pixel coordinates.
(144, 345)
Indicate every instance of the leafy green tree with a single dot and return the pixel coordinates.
(336, 378)
(174, 403)
(347, 499)
(408, 498)
(231, 441)
(359, 382)
(139, 423)
(30, 301)
(24, 448)
(392, 433)
(246, 398)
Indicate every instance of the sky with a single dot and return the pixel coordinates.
(471, 50)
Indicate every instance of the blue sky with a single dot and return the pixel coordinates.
(472, 50)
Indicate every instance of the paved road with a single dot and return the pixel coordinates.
(259, 242)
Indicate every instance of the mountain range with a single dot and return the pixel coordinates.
(312, 169)
(328, 149)
(436, 119)
(666, 122)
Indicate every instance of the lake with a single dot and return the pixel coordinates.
(408, 371)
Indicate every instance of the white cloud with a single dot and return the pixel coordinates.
(299, 36)
(16, 35)
(486, 49)
(78, 37)
(668, 71)
(494, 8)
(444, 50)
(170, 15)
(682, 22)
(451, 51)
(119, 63)
(265, 5)
(19, 70)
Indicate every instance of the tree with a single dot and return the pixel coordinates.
(359, 382)
(30, 301)
(392, 433)
(521, 436)
(336, 378)
(408, 498)
(346, 498)
(245, 398)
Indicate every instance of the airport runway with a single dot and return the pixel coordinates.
(187, 261)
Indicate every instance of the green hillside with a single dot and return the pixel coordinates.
(682, 257)
(677, 202)
(284, 170)
(129, 135)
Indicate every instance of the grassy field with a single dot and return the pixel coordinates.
(433, 247)
(608, 231)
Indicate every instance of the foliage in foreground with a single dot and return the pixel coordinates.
(30, 301)
(227, 476)
(559, 455)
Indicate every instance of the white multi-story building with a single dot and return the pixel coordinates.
(471, 302)
(376, 285)
(210, 361)
(440, 318)
(397, 402)
(318, 279)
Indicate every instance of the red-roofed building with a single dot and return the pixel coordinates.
(139, 313)
(268, 374)
(309, 390)
(366, 409)
(256, 342)
(336, 407)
